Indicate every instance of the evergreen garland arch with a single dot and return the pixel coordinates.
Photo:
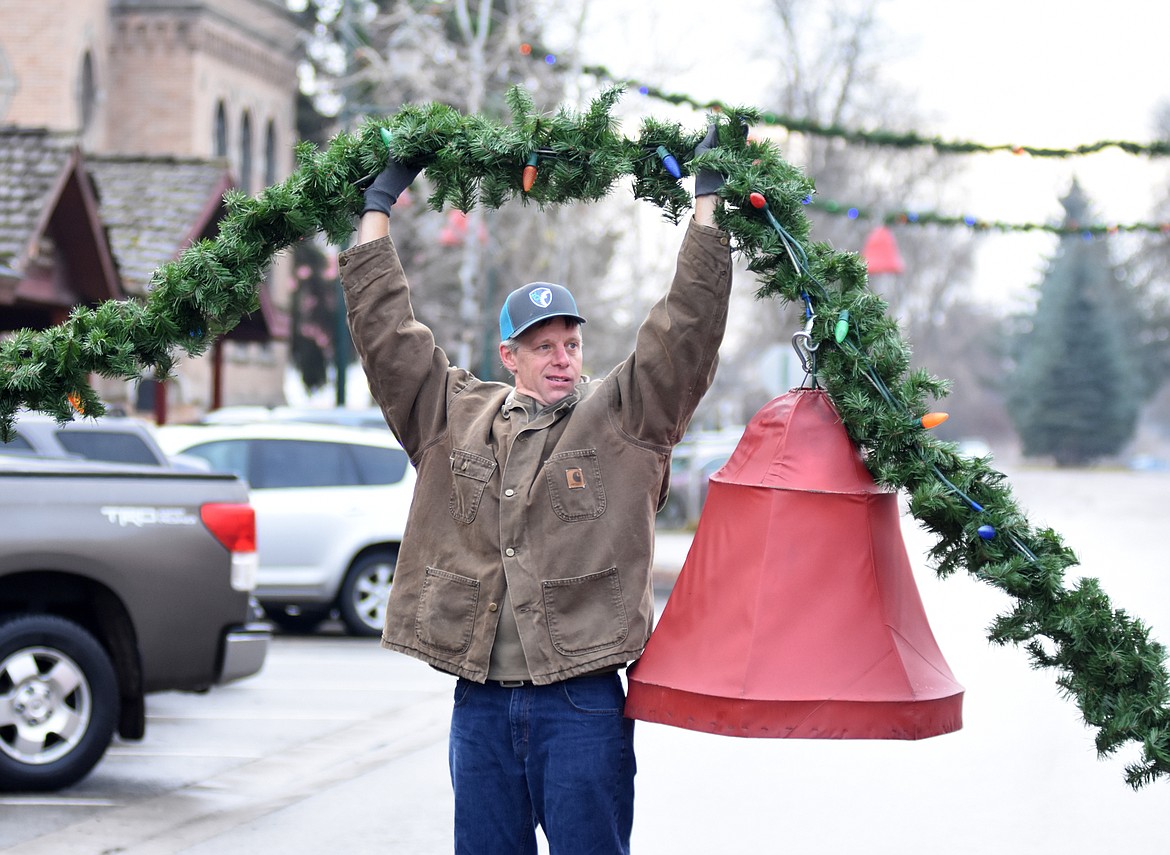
(1104, 659)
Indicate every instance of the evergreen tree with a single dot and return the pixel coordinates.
(1074, 393)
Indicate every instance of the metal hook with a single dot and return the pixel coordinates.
(805, 350)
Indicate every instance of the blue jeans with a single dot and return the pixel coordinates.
(558, 756)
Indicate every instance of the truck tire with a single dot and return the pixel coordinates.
(364, 592)
(58, 702)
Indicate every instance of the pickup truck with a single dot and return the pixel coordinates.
(116, 580)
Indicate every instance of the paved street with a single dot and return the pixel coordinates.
(338, 746)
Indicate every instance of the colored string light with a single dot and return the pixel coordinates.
(669, 162)
(841, 330)
(528, 176)
(792, 247)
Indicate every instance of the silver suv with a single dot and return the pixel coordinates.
(113, 439)
(331, 505)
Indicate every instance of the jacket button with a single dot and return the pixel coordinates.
(509, 492)
(510, 552)
(492, 607)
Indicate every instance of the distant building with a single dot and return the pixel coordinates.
(162, 105)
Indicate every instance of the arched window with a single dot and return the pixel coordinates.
(246, 152)
(86, 93)
(270, 154)
(220, 135)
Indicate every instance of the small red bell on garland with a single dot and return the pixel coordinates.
(880, 252)
(796, 613)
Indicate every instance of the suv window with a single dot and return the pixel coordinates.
(114, 447)
(17, 443)
(226, 456)
(274, 463)
(294, 463)
(380, 465)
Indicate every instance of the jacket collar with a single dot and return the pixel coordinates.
(517, 402)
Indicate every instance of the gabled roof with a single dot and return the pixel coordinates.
(47, 199)
(155, 207)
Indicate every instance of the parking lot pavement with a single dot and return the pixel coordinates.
(320, 752)
(339, 746)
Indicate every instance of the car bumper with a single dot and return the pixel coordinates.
(244, 649)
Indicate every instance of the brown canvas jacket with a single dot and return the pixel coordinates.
(566, 524)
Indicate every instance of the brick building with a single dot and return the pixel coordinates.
(163, 104)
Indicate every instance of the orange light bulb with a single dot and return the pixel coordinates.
(528, 176)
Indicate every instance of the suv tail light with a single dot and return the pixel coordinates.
(234, 525)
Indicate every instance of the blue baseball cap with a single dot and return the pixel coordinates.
(535, 302)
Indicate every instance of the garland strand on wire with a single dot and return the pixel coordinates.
(1105, 660)
(911, 140)
(978, 224)
(890, 139)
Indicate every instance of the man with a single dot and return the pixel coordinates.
(525, 566)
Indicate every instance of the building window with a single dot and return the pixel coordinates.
(219, 141)
(270, 154)
(246, 152)
(86, 93)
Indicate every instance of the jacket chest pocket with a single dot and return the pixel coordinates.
(470, 474)
(574, 485)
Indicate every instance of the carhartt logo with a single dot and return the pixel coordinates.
(541, 297)
(576, 479)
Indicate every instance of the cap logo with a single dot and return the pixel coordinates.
(541, 297)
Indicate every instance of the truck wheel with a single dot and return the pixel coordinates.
(365, 591)
(58, 702)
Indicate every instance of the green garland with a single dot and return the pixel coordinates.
(1104, 659)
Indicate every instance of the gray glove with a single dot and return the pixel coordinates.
(708, 181)
(388, 186)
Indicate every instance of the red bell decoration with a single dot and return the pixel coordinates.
(881, 252)
(796, 613)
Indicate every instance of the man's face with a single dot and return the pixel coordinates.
(547, 364)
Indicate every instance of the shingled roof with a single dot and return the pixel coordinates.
(33, 163)
(154, 207)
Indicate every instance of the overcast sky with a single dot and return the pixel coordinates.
(1035, 72)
